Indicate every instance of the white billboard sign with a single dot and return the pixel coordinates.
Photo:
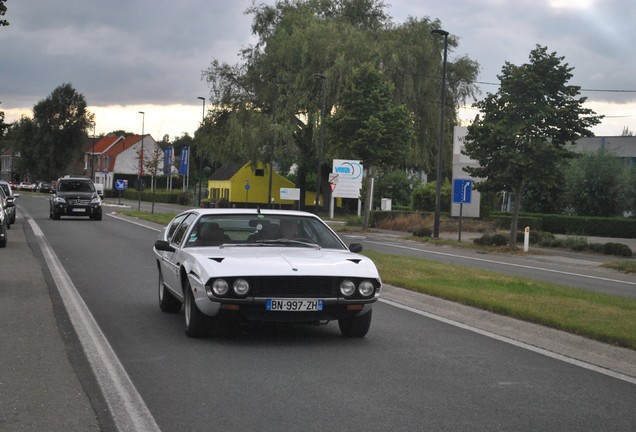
(346, 178)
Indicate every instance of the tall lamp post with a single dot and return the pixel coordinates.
(321, 146)
(93, 155)
(141, 160)
(440, 144)
(202, 99)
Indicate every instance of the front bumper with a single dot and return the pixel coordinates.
(78, 209)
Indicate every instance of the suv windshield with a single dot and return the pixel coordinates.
(75, 186)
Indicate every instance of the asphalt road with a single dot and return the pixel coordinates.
(412, 372)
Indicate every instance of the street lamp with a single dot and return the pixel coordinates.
(202, 99)
(93, 155)
(438, 186)
(141, 160)
(322, 137)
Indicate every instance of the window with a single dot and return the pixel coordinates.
(180, 233)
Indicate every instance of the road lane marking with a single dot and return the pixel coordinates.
(502, 263)
(127, 408)
(115, 216)
(514, 342)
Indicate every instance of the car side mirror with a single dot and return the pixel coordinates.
(163, 245)
(355, 247)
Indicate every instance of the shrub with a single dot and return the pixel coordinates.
(353, 221)
(422, 231)
(491, 240)
(596, 247)
(618, 249)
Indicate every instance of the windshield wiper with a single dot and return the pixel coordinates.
(289, 242)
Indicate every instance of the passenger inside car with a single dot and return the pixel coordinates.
(209, 234)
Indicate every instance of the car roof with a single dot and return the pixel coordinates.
(249, 211)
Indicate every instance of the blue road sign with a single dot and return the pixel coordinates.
(120, 185)
(462, 191)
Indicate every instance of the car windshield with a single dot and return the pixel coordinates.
(262, 230)
(75, 186)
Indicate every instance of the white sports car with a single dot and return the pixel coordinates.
(263, 265)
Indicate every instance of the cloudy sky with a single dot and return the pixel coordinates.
(127, 56)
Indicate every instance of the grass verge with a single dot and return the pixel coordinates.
(160, 218)
(601, 317)
(623, 266)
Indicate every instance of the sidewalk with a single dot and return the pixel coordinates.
(39, 388)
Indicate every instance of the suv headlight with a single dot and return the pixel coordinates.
(59, 200)
(96, 200)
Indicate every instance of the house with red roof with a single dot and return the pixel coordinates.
(113, 155)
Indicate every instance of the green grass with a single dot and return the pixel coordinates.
(160, 218)
(601, 317)
(623, 266)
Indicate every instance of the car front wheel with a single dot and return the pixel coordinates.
(356, 326)
(197, 324)
(167, 302)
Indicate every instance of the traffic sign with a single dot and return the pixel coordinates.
(120, 185)
(462, 191)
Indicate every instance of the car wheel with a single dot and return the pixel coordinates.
(97, 217)
(356, 326)
(55, 215)
(167, 302)
(197, 324)
(3, 242)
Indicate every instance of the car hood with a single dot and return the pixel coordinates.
(286, 261)
(76, 195)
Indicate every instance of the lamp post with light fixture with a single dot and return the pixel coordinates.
(440, 144)
(141, 160)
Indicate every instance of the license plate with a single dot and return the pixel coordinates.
(293, 305)
(78, 210)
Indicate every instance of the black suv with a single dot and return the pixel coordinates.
(75, 196)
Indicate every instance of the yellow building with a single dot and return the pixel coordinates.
(243, 184)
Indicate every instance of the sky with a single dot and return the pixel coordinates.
(127, 56)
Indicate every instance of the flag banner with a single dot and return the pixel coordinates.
(183, 165)
(167, 160)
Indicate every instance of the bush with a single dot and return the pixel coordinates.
(422, 231)
(353, 221)
(491, 240)
(618, 249)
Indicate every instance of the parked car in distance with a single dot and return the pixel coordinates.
(25, 186)
(4, 225)
(263, 265)
(10, 198)
(75, 196)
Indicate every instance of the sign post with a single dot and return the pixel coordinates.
(462, 194)
(120, 185)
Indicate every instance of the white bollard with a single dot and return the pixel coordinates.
(526, 239)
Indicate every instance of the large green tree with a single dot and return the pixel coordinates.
(50, 142)
(270, 103)
(527, 128)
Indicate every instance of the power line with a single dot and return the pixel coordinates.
(583, 89)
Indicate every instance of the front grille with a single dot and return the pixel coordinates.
(79, 202)
(294, 286)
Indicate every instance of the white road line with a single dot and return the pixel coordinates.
(501, 263)
(516, 343)
(114, 216)
(127, 408)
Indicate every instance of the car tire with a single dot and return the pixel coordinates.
(357, 326)
(3, 242)
(197, 324)
(55, 215)
(167, 302)
(97, 217)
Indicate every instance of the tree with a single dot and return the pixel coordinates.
(270, 104)
(527, 127)
(3, 10)
(597, 185)
(50, 142)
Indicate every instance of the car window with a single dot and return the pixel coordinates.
(180, 232)
(75, 186)
(173, 225)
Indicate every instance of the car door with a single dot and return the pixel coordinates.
(170, 261)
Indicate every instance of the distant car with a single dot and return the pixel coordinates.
(4, 225)
(9, 197)
(75, 196)
(24, 186)
(43, 187)
(269, 265)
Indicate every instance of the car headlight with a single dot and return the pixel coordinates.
(347, 287)
(96, 200)
(366, 288)
(220, 287)
(59, 200)
(241, 287)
